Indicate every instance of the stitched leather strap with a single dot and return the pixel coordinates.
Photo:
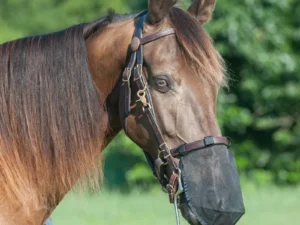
(172, 187)
(149, 113)
(157, 35)
(136, 42)
(197, 145)
(124, 105)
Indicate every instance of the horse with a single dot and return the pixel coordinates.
(65, 95)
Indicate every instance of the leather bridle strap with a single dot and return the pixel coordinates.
(134, 67)
(197, 145)
(136, 57)
(157, 35)
(146, 99)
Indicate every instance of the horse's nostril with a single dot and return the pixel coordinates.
(187, 212)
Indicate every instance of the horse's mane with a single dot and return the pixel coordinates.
(197, 48)
(52, 118)
(111, 17)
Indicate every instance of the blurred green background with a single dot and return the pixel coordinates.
(260, 42)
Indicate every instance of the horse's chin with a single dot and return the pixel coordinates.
(186, 212)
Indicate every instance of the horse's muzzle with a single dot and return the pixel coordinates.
(212, 193)
(186, 211)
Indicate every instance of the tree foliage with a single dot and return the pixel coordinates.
(259, 40)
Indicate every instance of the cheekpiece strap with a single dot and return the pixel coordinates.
(133, 73)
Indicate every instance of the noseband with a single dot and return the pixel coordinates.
(133, 75)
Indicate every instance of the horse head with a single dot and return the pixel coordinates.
(165, 91)
(155, 74)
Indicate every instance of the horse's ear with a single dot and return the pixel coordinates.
(202, 10)
(159, 9)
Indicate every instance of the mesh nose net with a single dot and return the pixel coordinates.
(212, 185)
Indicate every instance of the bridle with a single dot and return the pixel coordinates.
(133, 75)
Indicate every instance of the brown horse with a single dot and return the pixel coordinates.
(60, 97)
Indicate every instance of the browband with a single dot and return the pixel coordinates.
(136, 42)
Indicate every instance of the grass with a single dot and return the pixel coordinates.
(267, 205)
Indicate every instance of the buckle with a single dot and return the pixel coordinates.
(163, 146)
(126, 75)
(181, 150)
(229, 141)
(209, 141)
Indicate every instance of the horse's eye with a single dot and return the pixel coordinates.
(162, 83)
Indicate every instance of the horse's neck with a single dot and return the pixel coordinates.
(107, 51)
